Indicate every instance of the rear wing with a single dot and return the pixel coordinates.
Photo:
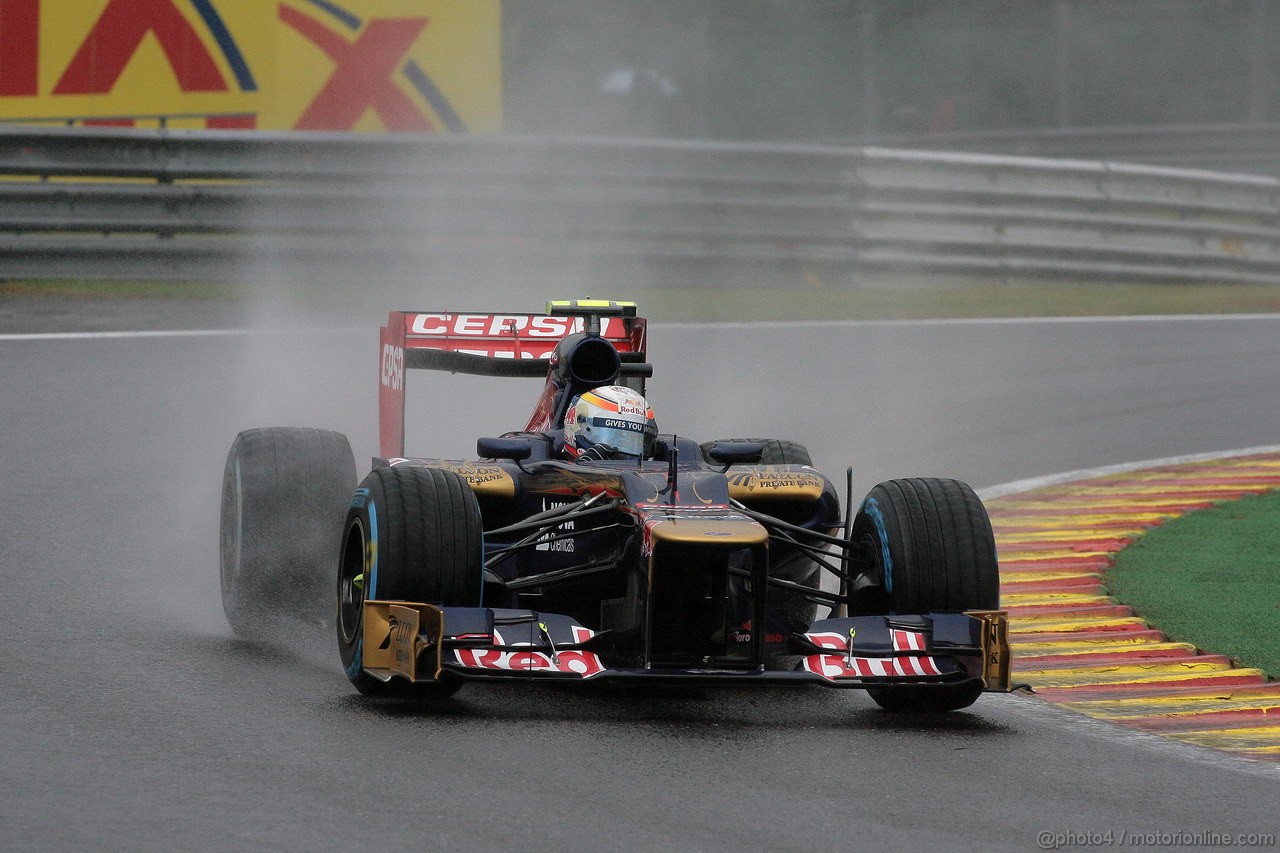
(489, 345)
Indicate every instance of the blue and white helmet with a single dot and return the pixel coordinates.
(614, 416)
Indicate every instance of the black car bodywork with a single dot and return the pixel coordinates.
(726, 563)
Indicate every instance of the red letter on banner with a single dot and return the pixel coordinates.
(19, 46)
(115, 38)
(363, 76)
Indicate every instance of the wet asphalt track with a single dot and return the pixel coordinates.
(131, 719)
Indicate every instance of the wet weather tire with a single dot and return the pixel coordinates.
(412, 534)
(930, 542)
(284, 491)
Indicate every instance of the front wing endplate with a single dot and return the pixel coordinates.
(396, 634)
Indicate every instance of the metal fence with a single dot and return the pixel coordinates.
(1252, 149)
(226, 205)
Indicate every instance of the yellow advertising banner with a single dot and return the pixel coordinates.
(363, 65)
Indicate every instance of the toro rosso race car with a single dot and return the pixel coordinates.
(590, 548)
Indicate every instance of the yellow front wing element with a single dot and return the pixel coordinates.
(394, 641)
(996, 657)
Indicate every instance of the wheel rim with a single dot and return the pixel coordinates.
(351, 583)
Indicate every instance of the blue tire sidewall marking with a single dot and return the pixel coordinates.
(357, 660)
(872, 508)
(372, 581)
(371, 586)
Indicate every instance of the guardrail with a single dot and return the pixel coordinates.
(1249, 148)
(229, 205)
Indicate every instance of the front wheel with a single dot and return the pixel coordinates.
(930, 543)
(412, 534)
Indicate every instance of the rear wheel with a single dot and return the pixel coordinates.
(284, 490)
(412, 534)
(930, 542)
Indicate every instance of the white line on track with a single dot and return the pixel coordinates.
(1001, 490)
(1018, 486)
(973, 321)
(753, 324)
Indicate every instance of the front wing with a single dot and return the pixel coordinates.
(424, 643)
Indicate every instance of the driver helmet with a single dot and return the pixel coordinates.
(614, 416)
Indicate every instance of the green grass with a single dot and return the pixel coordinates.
(885, 298)
(125, 289)
(1211, 578)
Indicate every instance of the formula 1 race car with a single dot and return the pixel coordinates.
(677, 563)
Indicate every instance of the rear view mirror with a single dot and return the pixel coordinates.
(737, 452)
(514, 449)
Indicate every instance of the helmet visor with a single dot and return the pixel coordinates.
(626, 436)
